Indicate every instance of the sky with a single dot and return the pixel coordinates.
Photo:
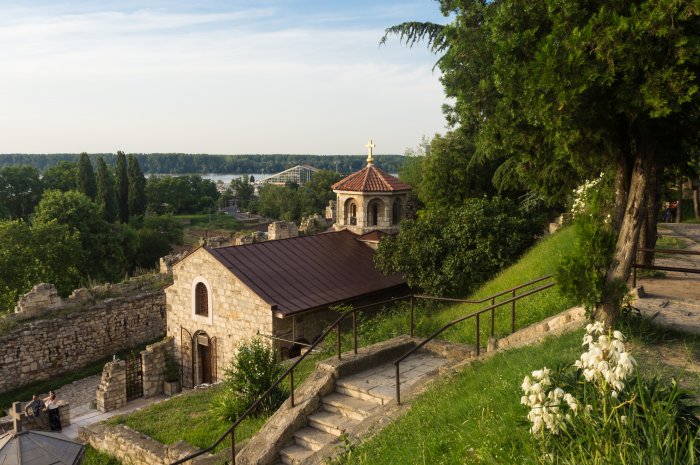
(221, 77)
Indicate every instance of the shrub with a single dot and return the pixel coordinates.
(251, 372)
(172, 369)
(601, 411)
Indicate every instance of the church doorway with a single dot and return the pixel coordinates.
(205, 358)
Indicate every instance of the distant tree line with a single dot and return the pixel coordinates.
(182, 163)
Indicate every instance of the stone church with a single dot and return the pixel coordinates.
(283, 289)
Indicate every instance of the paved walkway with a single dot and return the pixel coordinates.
(674, 300)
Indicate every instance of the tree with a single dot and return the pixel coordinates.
(243, 191)
(460, 247)
(137, 187)
(20, 190)
(63, 177)
(562, 91)
(86, 177)
(102, 257)
(106, 194)
(122, 187)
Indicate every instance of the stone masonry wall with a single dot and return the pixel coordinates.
(153, 366)
(236, 312)
(111, 393)
(131, 447)
(42, 349)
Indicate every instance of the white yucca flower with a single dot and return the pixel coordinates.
(546, 403)
(606, 363)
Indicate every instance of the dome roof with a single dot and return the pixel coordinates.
(39, 448)
(371, 179)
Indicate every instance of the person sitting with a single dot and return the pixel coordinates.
(52, 410)
(33, 410)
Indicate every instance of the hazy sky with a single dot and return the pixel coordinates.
(267, 76)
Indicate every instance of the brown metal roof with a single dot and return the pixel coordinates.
(308, 272)
(370, 179)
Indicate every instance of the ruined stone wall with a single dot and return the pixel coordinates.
(235, 312)
(42, 349)
(281, 230)
(134, 448)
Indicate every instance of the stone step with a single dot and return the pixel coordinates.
(350, 407)
(294, 454)
(333, 423)
(379, 395)
(313, 438)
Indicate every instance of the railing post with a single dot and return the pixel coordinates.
(493, 315)
(233, 446)
(478, 336)
(291, 386)
(398, 386)
(411, 317)
(512, 313)
(337, 327)
(354, 328)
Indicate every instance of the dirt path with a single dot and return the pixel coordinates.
(674, 299)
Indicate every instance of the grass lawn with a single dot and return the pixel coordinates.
(475, 417)
(95, 457)
(187, 417)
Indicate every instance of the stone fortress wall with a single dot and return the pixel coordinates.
(52, 336)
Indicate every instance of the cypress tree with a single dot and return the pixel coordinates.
(86, 177)
(122, 188)
(106, 195)
(137, 187)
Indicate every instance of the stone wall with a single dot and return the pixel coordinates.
(131, 447)
(40, 299)
(42, 349)
(235, 313)
(281, 230)
(153, 366)
(111, 393)
(38, 424)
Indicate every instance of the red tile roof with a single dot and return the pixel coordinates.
(371, 179)
(308, 272)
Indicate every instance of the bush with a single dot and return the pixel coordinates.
(251, 372)
(172, 369)
(601, 411)
(452, 251)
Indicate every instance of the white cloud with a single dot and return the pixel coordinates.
(212, 82)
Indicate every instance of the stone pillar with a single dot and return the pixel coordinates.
(111, 394)
(153, 366)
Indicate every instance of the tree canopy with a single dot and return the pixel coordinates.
(560, 91)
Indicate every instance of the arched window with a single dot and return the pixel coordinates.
(374, 215)
(396, 213)
(350, 212)
(201, 300)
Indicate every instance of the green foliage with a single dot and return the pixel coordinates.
(106, 194)
(180, 194)
(452, 251)
(136, 198)
(156, 235)
(647, 422)
(63, 177)
(85, 181)
(44, 253)
(251, 372)
(172, 369)
(20, 191)
(95, 457)
(122, 187)
(291, 203)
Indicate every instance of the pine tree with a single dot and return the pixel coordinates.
(137, 187)
(106, 195)
(122, 187)
(86, 177)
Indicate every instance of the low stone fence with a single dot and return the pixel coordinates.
(134, 448)
(40, 423)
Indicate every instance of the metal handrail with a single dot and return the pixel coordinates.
(476, 315)
(336, 325)
(636, 265)
(290, 371)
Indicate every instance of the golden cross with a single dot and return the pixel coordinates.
(370, 146)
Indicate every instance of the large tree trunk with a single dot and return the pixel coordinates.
(648, 234)
(621, 189)
(628, 234)
(696, 199)
(679, 183)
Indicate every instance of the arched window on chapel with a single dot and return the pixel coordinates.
(201, 300)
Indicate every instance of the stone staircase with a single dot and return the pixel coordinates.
(357, 399)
